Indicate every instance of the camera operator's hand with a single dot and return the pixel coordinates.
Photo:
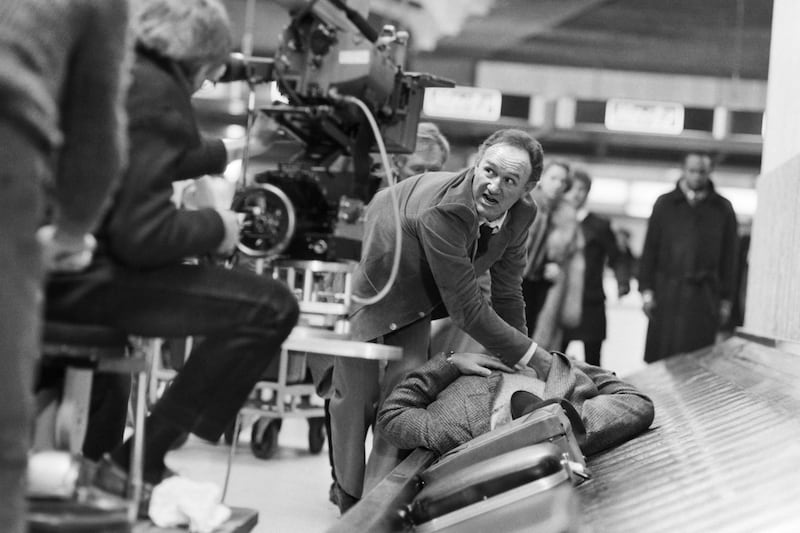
(232, 224)
(64, 251)
(208, 191)
(478, 364)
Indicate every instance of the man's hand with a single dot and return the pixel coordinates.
(648, 303)
(231, 221)
(551, 271)
(725, 307)
(208, 191)
(541, 362)
(63, 251)
(478, 364)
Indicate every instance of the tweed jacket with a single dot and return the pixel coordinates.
(436, 407)
(439, 272)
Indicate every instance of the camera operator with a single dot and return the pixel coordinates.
(138, 281)
(62, 66)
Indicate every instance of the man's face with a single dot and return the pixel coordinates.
(696, 171)
(577, 194)
(502, 176)
(427, 159)
(554, 182)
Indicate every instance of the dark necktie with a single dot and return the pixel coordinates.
(485, 231)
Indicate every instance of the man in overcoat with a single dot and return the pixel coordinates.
(688, 263)
(441, 258)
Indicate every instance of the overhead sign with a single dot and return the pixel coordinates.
(642, 116)
(463, 103)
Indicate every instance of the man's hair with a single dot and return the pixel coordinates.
(192, 32)
(428, 134)
(702, 155)
(563, 163)
(519, 139)
(581, 175)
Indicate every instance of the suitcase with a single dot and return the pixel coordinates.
(527, 489)
(550, 424)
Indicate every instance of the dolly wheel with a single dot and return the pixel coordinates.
(264, 437)
(316, 434)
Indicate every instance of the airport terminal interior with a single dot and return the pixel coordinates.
(621, 89)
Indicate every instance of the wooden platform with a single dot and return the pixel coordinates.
(241, 521)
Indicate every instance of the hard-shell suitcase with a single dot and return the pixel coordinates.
(549, 423)
(527, 489)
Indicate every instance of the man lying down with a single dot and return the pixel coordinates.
(453, 399)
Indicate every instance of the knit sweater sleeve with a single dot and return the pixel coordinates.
(93, 117)
(412, 417)
(209, 157)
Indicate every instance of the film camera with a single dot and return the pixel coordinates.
(347, 95)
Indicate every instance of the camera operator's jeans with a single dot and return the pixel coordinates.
(22, 171)
(242, 317)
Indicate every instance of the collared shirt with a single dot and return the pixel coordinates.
(581, 214)
(524, 379)
(692, 196)
(495, 224)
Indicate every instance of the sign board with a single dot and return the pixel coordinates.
(463, 103)
(642, 116)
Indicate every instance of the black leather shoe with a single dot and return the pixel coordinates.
(344, 500)
(332, 495)
(111, 478)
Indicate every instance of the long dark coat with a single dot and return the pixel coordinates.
(689, 262)
(600, 247)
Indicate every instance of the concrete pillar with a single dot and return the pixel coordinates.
(773, 292)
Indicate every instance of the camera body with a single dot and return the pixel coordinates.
(327, 55)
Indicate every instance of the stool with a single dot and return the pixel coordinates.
(84, 349)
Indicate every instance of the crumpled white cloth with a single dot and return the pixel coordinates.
(178, 501)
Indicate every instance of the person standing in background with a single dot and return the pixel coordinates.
(62, 89)
(600, 247)
(688, 264)
(430, 153)
(553, 280)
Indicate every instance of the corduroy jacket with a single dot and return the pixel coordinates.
(439, 270)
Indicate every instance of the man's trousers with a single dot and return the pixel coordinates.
(359, 388)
